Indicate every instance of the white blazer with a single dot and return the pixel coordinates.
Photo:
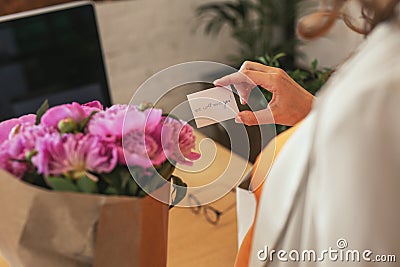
(336, 183)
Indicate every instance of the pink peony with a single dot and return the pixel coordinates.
(13, 164)
(55, 114)
(133, 125)
(177, 140)
(110, 124)
(187, 142)
(75, 112)
(13, 151)
(142, 150)
(7, 126)
(74, 154)
(93, 106)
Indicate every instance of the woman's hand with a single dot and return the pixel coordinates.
(290, 102)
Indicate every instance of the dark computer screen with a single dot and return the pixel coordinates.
(55, 56)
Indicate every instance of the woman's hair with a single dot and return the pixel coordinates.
(372, 12)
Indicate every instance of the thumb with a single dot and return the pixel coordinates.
(255, 118)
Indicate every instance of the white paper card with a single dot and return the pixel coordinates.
(212, 106)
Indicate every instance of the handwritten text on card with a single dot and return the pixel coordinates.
(212, 106)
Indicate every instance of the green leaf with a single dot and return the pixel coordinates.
(141, 193)
(62, 184)
(180, 190)
(118, 180)
(278, 56)
(111, 191)
(262, 60)
(83, 124)
(314, 64)
(125, 182)
(35, 179)
(87, 185)
(145, 105)
(150, 184)
(30, 154)
(166, 170)
(132, 187)
(41, 111)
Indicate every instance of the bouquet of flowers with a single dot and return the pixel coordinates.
(79, 148)
(89, 149)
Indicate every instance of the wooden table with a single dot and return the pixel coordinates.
(193, 241)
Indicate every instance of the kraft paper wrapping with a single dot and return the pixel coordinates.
(45, 228)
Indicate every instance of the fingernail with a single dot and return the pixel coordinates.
(216, 82)
(238, 119)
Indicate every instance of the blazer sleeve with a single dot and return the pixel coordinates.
(356, 185)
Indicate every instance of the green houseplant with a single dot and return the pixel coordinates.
(261, 26)
(265, 32)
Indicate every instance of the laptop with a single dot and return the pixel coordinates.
(51, 53)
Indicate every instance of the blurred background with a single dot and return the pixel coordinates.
(138, 38)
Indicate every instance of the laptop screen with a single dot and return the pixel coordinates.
(54, 55)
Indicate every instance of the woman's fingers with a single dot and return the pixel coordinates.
(255, 118)
(268, 81)
(290, 102)
(249, 65)
(242, 83)
(245, 80)
(234, 78)
(251, 78)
